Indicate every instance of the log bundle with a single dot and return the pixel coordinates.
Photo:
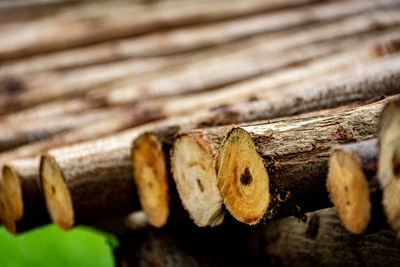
(200, 119)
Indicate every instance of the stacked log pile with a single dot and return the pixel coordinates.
(177, 124)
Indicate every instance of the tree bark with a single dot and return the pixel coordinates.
(279, 168)
(215, 73)
(137, 46)
(79, 27)
(322, 241)
(26, 90)
(15, 134)
(23, 195)
(353, 187)
(277, 103)
(388, 170)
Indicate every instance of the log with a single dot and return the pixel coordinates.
(321, 241)
(79, 26)
(286, 167)
(353, 187)
(215, 74)
(21, 91)
(15, 134)
(73, 177)
(265, 178)
(198, 37)
(23, 195)
(20, 176)
(277, 103)
(26, 91)
(322, 70)
(388, 171)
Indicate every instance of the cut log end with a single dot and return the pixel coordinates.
(151, 178)
(349, 190)
(5, 214)
(13, 192)
(57, 195)
(389, 162)
(195, 177)
(242, 178)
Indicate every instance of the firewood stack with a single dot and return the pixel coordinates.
(206, 117)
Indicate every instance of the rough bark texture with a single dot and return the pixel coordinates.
(353, 187)
(322, 241)
(20, 91)
(15, 134)
(127, 119)
(315, 73)
(79, 27)
(23, 176)
(388, 167)
(215, 74)
(363, 84)
(295, 154)
(94, 177)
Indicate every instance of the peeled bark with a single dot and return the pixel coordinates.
(322, 241)
(388, 167)
(285, 167)
(79, 27)
(23, 195)
(275, 103)
(353, 187)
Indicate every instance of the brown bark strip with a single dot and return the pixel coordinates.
(198, 37)
(388, 170)
(127, 119)
(353, 187)
(23, 92)
(23, 195)
(286, 164)
(29, 131)
(279, 102)
(171, 42)
(322, 241)
(215, 74)
(81, 26)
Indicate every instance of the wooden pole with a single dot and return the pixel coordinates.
(388, 171)
(15, 134)
(278, 102)
(80, 26)
(215, 73)
(23, 195)
(197, 37)
(353, 187)
(322, 241)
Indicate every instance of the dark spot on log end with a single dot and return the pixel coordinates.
(313, 227)
(53, 189)
(252, 98)
(201, 187)
(150, 185)
(348, 203)
(396, 165)
(346, 188)
(246, 177)
(12, 85)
